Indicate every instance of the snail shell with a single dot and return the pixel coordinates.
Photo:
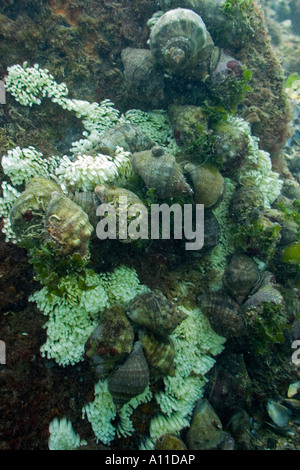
(68, 225)
(88, 202)
(128, 136)
(177, 38)
(240, 276)
(143, 78)
(110, 342)
(189, 122)
(223, 314)
(160, 170)
(131, 378)
(127, 207)
(170, 442)
(159, 353)
(208, 184)
(206, 430)
(155, 312)
(27, 213)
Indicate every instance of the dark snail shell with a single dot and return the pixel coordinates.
(28, 212)
(223, 314)
(159, 353)
(240, 276)
(144, 79)
(177, 38)
(68, 225)
(160, 171)
(110, 342)
(131, 378)
(155, 312)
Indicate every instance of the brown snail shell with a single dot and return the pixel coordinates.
(170, 442)
(206, 430)
(177, 39)
(68, 225)
(240, 276)
(144, 79)
(159, 170)
(131, 378)
(159, 353)
(223, 314)
(28, 212)
(208, 184)
(128, 136)
(155, 312)
(110, 342)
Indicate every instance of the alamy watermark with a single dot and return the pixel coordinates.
(2, 92)
(123, 222)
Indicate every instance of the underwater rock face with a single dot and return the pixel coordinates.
(177, 38)
(110, 342)
(160, 171)
(154, 311)
(246, 203)
(162, 347)
(131, 378)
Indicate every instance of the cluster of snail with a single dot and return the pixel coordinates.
(180, 45)
(127, 364)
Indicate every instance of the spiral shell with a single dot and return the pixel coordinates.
(110, 342)
(128, 209)
(159, 353)
(206, 430)
(128, 136)
(208, 184)
(240, 276)
(143, 78)
(223, 314)
(189, 123)
(28, 212)
(155, 312)
(131, 378)
(68, 225)
(88, 202)
(159, 170)
(177, 38)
